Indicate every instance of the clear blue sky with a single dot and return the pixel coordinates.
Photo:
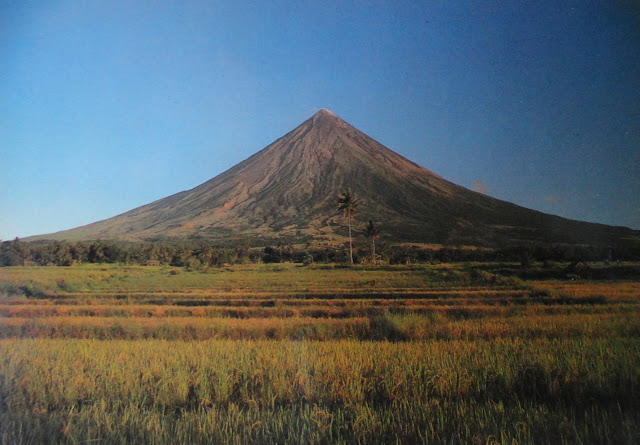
(110, 105)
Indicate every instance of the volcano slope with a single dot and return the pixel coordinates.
(288, 192)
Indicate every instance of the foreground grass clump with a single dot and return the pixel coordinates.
(538, 391)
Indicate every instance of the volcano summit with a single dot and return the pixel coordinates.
(288, 192)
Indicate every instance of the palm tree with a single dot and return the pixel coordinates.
(348, 203)
(371, 231)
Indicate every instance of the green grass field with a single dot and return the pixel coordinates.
(451, 353)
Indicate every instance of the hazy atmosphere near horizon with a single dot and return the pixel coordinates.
(111, 105)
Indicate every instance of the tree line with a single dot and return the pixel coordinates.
(65, 253)
(202, 255)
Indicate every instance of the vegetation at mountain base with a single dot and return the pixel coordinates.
(202, 255)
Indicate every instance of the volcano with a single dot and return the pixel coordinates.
(288, 192)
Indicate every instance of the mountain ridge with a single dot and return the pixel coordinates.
(289, 189)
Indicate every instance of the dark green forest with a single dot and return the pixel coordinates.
(197, 255)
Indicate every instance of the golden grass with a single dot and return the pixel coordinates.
(453, 309)
(285, 354)
(434, 325)
(224, 391)
(611, 291)
(187, 328)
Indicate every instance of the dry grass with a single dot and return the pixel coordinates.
(538, 391)
(611, 291)
(437, 354)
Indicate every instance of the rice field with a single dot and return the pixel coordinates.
(281, 353)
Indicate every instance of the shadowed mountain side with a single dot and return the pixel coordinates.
(288, 191)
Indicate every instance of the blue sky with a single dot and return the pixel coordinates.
(110, 105)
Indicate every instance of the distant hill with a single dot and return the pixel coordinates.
(288, 192)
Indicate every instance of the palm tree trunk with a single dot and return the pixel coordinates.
(350, 244)
(373, 242)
